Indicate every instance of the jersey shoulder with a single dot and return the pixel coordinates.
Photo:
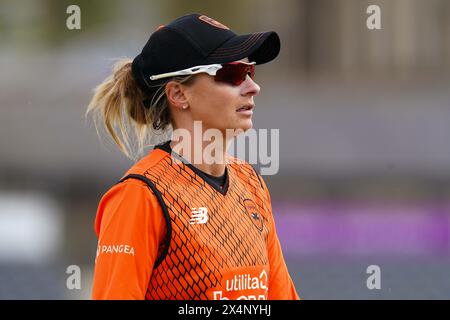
(148, 162)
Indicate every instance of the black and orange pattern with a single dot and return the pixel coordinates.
(231, 253)
(198, 254)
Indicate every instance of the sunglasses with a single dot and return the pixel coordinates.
(233, 73)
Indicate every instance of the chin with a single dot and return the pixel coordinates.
(245, 126)
(240, 127)
(248, 127)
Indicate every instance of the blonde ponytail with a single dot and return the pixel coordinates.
(118, 103)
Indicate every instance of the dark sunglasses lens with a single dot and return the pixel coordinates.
(251, 71)
(234, 74)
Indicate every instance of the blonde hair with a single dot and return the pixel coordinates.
(118, 104)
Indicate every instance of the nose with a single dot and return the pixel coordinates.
(250, 87)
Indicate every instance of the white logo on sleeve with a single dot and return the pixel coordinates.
(199, 216)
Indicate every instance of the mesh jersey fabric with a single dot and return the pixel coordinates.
(222, 243)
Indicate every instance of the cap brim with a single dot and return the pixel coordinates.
(260, 47)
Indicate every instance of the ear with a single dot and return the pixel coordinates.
(176, 96)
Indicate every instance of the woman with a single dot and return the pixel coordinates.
(173, 227)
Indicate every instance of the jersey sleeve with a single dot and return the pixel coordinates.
(130, 226)
(281, 286)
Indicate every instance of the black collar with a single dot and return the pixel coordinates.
(220, 184)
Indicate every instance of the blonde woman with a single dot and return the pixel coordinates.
(172, 227)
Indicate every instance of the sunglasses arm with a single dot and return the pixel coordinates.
(210, 69)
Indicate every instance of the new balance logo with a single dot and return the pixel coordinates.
(199, 216)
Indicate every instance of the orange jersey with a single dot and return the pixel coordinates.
(166, 233)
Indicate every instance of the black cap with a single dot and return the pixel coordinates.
(196, 39)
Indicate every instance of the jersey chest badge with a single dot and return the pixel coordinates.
(253, 213)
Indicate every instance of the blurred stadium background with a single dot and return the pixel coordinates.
(364, 119)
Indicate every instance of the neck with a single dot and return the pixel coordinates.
(207, 156)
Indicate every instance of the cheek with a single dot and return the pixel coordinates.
(215, 101)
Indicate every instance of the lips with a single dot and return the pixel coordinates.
(246, 107)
